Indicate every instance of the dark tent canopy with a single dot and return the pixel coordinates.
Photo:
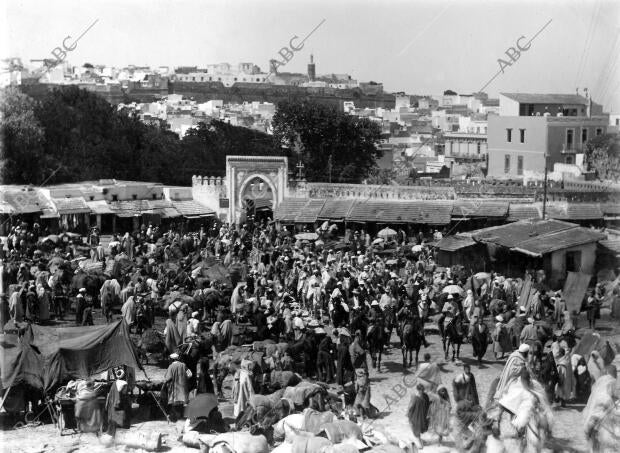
(79, 352)
(20, 363)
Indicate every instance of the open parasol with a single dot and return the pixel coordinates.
(453, 289)
(386, 233)
(416, 248)
(306, 236)
(378, 241)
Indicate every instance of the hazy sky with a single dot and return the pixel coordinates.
(420, 47)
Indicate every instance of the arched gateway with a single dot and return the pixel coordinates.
(256, 185)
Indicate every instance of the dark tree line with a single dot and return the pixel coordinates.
(70, 134)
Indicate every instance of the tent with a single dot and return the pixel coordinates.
(78, 352)
(20, 363)
(20, 370)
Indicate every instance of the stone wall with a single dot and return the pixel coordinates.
(208, 190)
(369, 191)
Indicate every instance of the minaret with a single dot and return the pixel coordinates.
(311, 69)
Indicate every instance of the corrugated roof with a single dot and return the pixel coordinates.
(453, 243)
(612, 244)
(432, 212)
(560, 240)
(336, 209)
(537, 98)
(99, 207)
(73, 205)
(169, 213)
(263, 203)
(130, 208)
(289, 209)
(480, 208)
(25, 201)
(191, 208)
(523, 212)
(537, 237)
(575, 211)
(310, 212)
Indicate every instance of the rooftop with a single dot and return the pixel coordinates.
(537, 237)
(538, 98)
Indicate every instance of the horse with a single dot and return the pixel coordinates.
(389, 316)
(376, 339)
(338, 314)
(452, 334)
(411, 340)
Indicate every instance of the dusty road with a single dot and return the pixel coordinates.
(387, 396)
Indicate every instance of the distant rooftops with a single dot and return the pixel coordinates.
(537, 98)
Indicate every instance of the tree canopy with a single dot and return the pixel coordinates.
(328, 142)
(70, 134)
(602, 155)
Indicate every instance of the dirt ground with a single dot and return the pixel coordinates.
(567, 425)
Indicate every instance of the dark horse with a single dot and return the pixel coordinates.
(411, 339)
(452, 334)
(340, 317)
(389, 315)
(376, 339)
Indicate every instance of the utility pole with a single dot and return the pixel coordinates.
(329, 163)
(544, 209)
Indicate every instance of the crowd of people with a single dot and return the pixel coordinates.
(323, 295)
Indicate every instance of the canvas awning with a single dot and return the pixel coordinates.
(575, 289)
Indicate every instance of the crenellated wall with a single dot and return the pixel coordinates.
(209, 190)
(369, 191)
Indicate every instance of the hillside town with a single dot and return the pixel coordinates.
(230, 258)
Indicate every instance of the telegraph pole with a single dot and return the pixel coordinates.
(544, 209)
(330, 167)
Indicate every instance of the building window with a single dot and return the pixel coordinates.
(91, 198)
(508, 135)
(114, 197)
(573, 261)
(451, 147)
(478, 147)
(617, 122)
(520, 165)
(210, 79)
(154, 196)
(584, 136)
(568, 160)
(507, 163)
(599, 131)
(193, 79)
(134, 196)
(570, 136)
(522, 135)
